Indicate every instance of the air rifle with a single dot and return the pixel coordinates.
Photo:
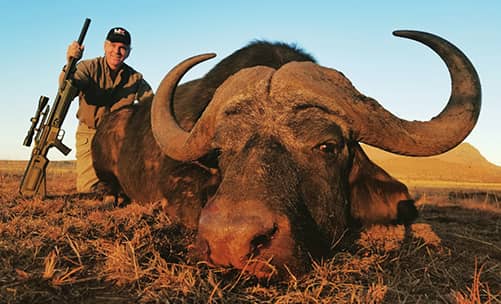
(48, 132)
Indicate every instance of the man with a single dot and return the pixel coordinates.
(105, 84)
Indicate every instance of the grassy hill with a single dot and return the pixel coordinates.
(18, 166)
(462, 165)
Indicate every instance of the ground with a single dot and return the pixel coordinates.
(73, 248)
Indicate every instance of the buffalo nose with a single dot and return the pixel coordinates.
(235, 233)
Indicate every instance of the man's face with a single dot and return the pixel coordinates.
(115, 53)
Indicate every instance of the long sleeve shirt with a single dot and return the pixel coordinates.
(100, 93)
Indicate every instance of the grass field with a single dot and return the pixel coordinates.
(71, 248)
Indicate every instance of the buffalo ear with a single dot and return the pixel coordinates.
(377, 197)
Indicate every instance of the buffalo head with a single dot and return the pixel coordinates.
(282, 147)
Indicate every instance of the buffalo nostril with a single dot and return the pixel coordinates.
(262, 240)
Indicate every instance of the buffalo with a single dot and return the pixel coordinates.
(262, 155)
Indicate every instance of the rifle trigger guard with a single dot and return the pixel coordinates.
(60, 134)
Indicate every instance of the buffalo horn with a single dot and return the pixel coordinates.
(441, 133)
(171, 138)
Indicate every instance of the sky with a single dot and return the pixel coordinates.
(354, 37)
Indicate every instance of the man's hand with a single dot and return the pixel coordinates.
(75, 50)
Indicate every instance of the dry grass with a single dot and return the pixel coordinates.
(71, 248)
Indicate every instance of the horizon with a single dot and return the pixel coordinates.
(407, 78)
(463, 145)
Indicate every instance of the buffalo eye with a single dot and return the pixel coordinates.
(329, 148)
(211, 159)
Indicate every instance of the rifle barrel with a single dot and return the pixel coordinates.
(73, 61)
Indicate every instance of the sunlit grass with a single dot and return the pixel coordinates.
(69, 248)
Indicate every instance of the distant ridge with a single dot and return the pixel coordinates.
(461, 164)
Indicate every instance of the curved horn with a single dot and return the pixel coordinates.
(172, 139)
(441, 133)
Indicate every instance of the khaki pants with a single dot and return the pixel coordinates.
(86, 176)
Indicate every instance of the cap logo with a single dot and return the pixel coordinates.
(119, 31)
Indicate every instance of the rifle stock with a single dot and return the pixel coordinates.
(49, 134)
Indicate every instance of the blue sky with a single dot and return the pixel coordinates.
(351, 36)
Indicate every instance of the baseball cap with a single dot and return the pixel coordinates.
(119, 34)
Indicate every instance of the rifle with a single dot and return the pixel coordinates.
(49, 133)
